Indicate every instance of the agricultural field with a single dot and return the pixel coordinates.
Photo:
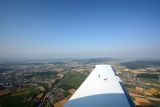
(4, 92)
(71, 80)
(19, 98)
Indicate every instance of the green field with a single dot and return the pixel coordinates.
(72, 80)
(16, 99)
(140, 64)
(48, 74)
(148, 76)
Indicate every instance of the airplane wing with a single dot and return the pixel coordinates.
(102, 88)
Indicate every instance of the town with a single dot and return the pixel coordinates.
(52, 83)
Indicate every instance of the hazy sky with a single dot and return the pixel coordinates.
(79, 28)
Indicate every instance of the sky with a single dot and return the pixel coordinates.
(79, 28)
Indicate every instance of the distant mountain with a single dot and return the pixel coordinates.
(99, 60)
(140, 64)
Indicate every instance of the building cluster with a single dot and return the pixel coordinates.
(145, 92)
(51, 97)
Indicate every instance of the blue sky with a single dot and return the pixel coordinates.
(79, 28)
